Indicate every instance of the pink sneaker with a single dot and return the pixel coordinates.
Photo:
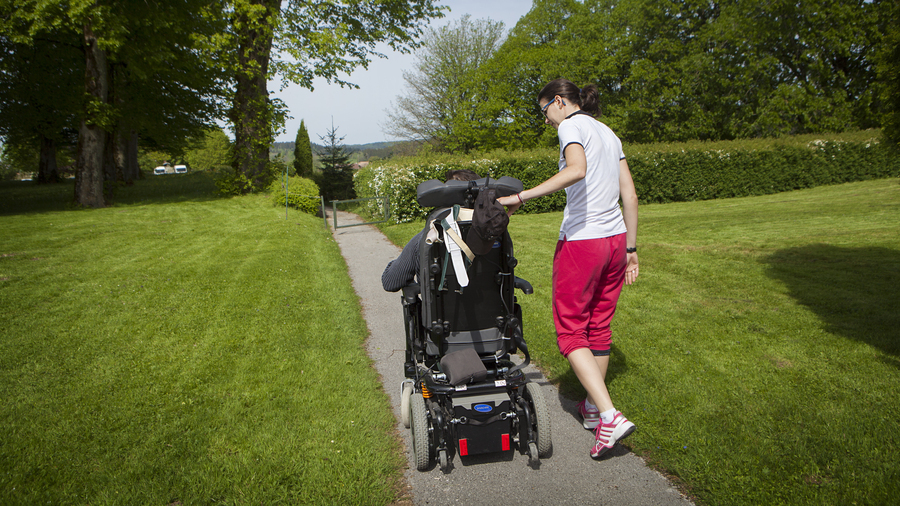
(591, 415)
(608, 434)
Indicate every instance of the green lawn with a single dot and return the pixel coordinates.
(179, 348)
(759, 352)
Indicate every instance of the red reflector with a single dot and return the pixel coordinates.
(504, 441)
(463, 447)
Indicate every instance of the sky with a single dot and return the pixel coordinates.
(360, 113)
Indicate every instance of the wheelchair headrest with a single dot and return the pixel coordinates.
(434, 193)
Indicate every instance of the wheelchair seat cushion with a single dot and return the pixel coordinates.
(463, 366)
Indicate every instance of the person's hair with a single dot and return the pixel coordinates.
(587, 98)
(461, 175)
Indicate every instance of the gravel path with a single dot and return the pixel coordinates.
(568, 476)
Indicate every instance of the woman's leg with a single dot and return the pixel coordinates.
(591, 372)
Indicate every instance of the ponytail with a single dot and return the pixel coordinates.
(588, 98)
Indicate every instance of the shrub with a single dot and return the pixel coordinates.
(662, 172)
(231, 183)
(302, 193)
(397, 179)
(210, 152)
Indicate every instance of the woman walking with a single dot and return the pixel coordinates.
(597, 249)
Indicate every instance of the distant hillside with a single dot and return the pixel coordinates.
(359, 152)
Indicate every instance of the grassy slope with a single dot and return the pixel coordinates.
(178, 347)
(758, 352)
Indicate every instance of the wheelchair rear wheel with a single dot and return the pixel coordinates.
(540, 425)
(421, 440)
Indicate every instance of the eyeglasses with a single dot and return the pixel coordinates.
(544, 109)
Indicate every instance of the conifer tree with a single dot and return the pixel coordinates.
(337, 173)
(303, 159)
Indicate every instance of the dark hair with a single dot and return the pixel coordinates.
(587, 98)
(461, 175)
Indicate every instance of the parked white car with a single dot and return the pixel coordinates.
(181, 169)
(159, 171)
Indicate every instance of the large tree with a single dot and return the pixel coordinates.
(299, 40)
(40, 86)
(145, 67)
(888, 64)
(444, 96)
(535, 52)
(695, 69)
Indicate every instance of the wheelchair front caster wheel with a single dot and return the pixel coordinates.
(533, 457)
(406, 390)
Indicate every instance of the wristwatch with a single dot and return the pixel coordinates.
(631, 250)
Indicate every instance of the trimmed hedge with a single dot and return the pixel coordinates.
(303, 194)
(695, 172)
(706, 175)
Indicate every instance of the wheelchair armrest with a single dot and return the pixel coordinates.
(411, 293)
(523, 285)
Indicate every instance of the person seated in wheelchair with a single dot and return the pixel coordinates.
(475, 264)
(402, 271)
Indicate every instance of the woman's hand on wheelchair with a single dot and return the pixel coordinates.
(511, 203)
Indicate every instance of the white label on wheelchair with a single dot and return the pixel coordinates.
(461, 388)
(500, 383)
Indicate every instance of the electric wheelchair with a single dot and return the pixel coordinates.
(462, 393)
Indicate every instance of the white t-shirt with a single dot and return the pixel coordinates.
(592, 204)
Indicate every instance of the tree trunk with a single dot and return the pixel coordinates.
(250, 112)
(48, 172)
(112, 168)
(109, 161)
(131, 169)
(91, 136)
(118, 138)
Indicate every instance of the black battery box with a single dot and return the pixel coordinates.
(484, 426)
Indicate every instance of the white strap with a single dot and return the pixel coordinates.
(453, 247)
(462, 244)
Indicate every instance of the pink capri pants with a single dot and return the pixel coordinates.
(587, 279)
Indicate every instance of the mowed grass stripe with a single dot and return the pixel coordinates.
(193, 350)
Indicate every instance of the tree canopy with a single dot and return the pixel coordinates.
(126, 68)
(162, 72)
(114, 73)
(671, 70)
(298, 40)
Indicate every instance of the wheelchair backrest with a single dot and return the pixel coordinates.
(474, 316)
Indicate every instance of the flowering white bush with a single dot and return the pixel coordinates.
(398, 183)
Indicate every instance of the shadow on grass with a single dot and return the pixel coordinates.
(854, 291)
(28, 197)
